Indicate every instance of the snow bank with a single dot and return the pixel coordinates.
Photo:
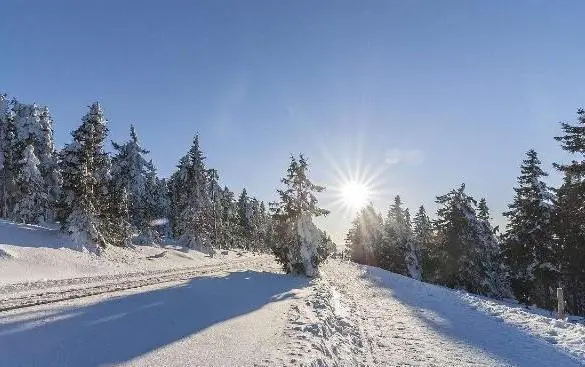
(447, 307)
(31, 253)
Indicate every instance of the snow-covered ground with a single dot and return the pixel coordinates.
(31, 253)
(359, 315)
(189, 309)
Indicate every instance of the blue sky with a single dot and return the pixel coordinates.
(429, 93)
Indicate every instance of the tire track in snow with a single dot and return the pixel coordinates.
(58, 295)
(23, 287)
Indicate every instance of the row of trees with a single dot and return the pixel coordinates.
(112, 198)
(459, 249)
(542, 247)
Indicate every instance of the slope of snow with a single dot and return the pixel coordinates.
(35, 253)
(355, 315)
(504, 330)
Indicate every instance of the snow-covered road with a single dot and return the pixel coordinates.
(351, 316)
(223, 320)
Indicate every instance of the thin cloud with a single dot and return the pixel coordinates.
(412, 157)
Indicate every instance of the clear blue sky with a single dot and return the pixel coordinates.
(431, 93)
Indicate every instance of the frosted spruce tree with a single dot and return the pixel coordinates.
(134, 174)
(23, 125)
(31, 203)
(299, 245)
(570, 215)
(423, 240)
(244, 220)
(365, 236)
(229, 218)
(467, 256)
(397, 251)
(190, 201)
(7, 162)
(528, 242)
(85, 207)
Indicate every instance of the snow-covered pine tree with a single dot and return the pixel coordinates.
(129, 172)
(190, 200)
(570, 215)
(215, 216)
(49, 165)
(397, 252)
(178, 195)
(467, 256)
(365, 236)
(227, 236)
(22, 125)
(7, 174)
(244, 220)
(31, 203)
(423, 239)
(157, 205)
(83, 209)
(264, 224)
(299, 245)
(528, 243)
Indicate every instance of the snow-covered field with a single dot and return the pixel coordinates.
(173, 307)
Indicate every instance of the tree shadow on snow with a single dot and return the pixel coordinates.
(120, 329)
(446, 313)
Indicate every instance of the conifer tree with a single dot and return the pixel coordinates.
(467, 256)
(365, 236)
(190, 200)
(528, 243)
(397, 252)
(570, 215)
(84, 209)
(244, 220)
(299, 245)
(423, 239)
(129, 173)
(7, 176)
(31, 202)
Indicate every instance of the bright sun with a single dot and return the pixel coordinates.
(355, 194)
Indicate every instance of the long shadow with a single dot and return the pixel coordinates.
(123, 328)
(448, 315)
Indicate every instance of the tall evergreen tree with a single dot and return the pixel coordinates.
(7, 161)
(299, 245)
(190, 200)
(423, 239)
(31, 202)
(244, 220)
(466, 254)
(146, 194)
(528, 243)
(85, 197)
(365, 236)
(397, 252)
(570, 215)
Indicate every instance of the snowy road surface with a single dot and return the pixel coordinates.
(349, 317)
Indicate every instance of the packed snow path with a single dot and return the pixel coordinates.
(228, 319)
